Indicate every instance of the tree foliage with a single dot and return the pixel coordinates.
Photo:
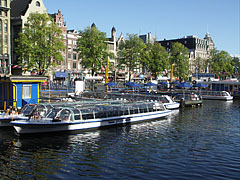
(130, 52)
(222, 64)
(236, 64)
(40, 43)
(92, 48)
(158, 60)
(180, 58)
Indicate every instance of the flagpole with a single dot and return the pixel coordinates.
(171, 76)
(106, 73)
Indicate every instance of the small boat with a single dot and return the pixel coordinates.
(11, 115)
(216, 95)
(188, 99)
(168, 102)
(83, 118)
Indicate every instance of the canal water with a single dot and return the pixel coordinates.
(193, 143)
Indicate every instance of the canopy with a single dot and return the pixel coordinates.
(150, 84)
(135, 85)
(201, 85)
(175, 82)
(110, 84)
(61, 75)
(132, 84)
(127, 83)
(163, 82)
(184, 85)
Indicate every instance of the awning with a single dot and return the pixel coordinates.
(61, 75)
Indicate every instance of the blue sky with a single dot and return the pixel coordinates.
(168, 19)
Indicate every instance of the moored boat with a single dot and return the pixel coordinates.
(69, 119)
(216, 95)
(11, 115)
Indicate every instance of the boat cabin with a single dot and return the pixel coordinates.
(16, 91)
(100, 111)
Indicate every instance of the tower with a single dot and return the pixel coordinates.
(114, 37)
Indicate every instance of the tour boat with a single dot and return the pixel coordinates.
(216, 95)
(83, 118)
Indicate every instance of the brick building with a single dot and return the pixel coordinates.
(59, 19)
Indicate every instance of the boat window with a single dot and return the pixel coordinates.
(115, 110)
(76, 114)
(150, 107)
(27, 109)
(164, 100)
(87, 114)
(52, 114)
(145, 109)
(40, 110)
(130, 110)
(121, 111)
(64, 115)
(135, 109)
(100, 114)
(125, 110)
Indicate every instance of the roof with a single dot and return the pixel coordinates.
(19, 7)
(24, 79)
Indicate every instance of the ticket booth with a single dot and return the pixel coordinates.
(17, 91)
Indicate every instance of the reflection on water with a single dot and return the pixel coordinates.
(192, 143)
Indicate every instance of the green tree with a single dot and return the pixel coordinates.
(236, 64)
(179, 56)
(222, 64)
(40, 44)
(130, 53)
(159, 59)
(92, 48)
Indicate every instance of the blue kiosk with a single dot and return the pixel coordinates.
(16, 91)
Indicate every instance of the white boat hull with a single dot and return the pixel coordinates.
(40, 127)
(5, 120)
(171, 106)
(225, 98)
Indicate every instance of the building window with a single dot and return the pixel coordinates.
(59, 22)
(0, 26)
(69, 55)
(6, 39)
(75, 56)
(38, 4)
(74, 65)
(4, 3)
(5, 27)
(26, 91)
(69, 41)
